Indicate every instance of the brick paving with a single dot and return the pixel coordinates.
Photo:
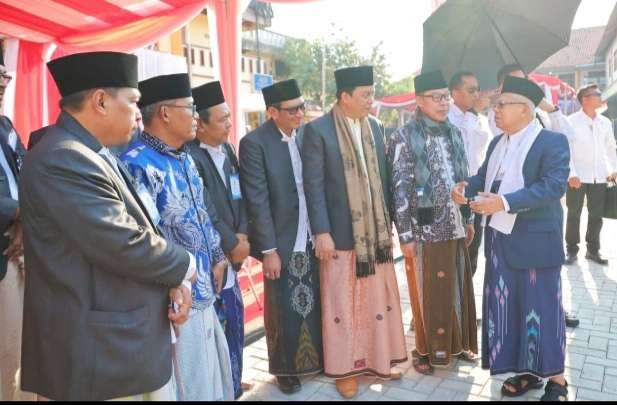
(590, 292)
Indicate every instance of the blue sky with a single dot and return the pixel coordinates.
(398, 23)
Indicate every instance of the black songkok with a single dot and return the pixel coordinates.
(523, 87)
(166, 87)
(352, 77)
(281, 91)
(93, 70)
(429, 81)
(208, 95)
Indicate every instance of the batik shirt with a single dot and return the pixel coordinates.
(172, 190)
(449, 222)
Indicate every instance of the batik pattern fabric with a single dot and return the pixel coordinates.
(523, 322)
(292, 318)
(442, 300)
(170, 188)
(449, 223)
(230, 310)
(168, 183)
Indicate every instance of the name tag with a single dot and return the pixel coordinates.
(420, 191)
(234, 186)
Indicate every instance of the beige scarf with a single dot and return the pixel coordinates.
(369, 215)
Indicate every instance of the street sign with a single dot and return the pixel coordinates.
(260, 81)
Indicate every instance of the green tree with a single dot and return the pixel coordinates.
(302, 61)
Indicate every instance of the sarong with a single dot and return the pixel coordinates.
(202, 370)
(230, 310)
(523, 321)
(361, 317)
(442, 301)
(293, 320)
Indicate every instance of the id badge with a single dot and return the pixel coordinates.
(234, 185)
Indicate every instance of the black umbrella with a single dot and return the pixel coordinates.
(481, 36)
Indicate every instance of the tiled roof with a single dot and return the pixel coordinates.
(581, 51)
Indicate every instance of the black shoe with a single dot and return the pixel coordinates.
(571, 321)
(289, 385)
(571, 258)
(595, 257)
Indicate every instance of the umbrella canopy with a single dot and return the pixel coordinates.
(481, 36)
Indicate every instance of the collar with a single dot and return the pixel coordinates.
(287, 138)
(517, 138)
(212, 149)
(161, 147)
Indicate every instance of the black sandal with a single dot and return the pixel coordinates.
(516, 382)
(468, 357)
(420, 365)
(555, 392)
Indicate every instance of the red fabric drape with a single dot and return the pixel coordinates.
(126, 31)
(29, 94)
(228, 27)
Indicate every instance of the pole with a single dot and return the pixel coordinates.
(257, 40)
(186, 37)
(323, 77)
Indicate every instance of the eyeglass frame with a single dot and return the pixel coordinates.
(292, 110)
(437, 98)
(192, 106)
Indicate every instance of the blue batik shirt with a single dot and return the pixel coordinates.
(172, 191)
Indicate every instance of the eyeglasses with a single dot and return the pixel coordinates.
(500, 105)
(293, 110)
(437, 97)
(594, 94)
(6, 78)
(192, 107)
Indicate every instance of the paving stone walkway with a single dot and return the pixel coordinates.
(590, 292)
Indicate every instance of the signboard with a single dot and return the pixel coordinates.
(260, 81)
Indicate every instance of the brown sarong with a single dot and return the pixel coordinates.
(442, 300)
(361, 318)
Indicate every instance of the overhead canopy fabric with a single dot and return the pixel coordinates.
(52, 28)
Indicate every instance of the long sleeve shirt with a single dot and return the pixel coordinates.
(476, 136)
(593, 148)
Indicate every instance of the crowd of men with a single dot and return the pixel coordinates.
(134, 214)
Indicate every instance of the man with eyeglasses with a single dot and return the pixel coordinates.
(281, 237)
(219, 170)
(169, 184)
(11, 242)
(349, 200)
(427, 158)
(550, 117)
(518, 191)
(476, 135)
(594, 163)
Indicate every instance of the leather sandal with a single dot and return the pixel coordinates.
(522, 384)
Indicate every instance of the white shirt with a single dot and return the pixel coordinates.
(476, 135)
(218, 156)
(13, 189)
(593, 148)
(555, 121)
(302, 234)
